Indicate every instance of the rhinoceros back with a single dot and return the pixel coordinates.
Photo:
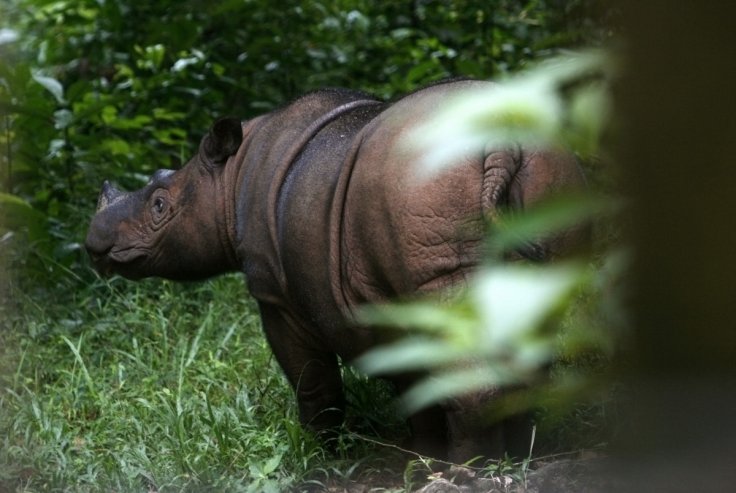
(402, 231)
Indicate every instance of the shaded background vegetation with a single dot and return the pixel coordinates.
(93, 90)
(117, 89)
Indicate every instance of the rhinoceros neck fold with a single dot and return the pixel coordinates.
(285, 167)
(284, 191)
(228, 189)
(226, 223)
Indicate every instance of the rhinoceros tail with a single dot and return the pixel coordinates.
(515, 179)
(499, 170)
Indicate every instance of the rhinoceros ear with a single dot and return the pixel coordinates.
(221, 142)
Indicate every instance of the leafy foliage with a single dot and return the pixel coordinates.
(95, 89)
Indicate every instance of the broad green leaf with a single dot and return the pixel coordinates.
(454, 383)
(528, 109)
(513, 300)
(63, 118)
(170, 136)
(590, 110)
(402, 33)
(525, 111)
(419, 71)
(8, 36)
(153, 55)
(116, 146)
(429, 315)
(271, 464)
(109, 114)
(555, 214)
(185, 62)
(409, 354)
(17, 215)
(50, 84)
(166, 114)
(135, 123)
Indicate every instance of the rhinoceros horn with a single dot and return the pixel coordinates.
(108, 196)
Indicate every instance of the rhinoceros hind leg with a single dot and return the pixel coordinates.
(472, 434)
(428, 427)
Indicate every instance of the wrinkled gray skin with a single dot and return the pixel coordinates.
(319, 206)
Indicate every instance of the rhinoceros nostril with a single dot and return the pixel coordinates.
(96, 251)
(97, 243)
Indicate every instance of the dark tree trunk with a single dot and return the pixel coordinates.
(678, 150)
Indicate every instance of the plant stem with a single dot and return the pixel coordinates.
(8, 156)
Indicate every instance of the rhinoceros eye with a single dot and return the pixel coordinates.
(159, 208)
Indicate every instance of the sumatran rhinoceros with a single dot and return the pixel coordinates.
(319, 204)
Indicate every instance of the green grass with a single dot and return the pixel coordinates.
(157, 386)
(110, 385)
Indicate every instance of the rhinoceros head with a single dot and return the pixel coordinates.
(173, 227)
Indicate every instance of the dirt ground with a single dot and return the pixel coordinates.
(578, 475)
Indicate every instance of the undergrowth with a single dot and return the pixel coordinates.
(156, 386)
(108, 385)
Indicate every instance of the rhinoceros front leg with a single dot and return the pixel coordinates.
(313, 373)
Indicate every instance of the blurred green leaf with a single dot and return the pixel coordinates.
(514, 300)
(135, 123)
(429, 315)
(18, 215)
(63, 118)
(410, 354)
(116, 146)
(590, 110)
(531, 108)
(454, 383)
(51, 85)
(165, 114)
(513, 230)
(109, 114)
(496, 340)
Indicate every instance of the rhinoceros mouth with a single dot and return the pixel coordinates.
(123, 261)
(126, 255)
